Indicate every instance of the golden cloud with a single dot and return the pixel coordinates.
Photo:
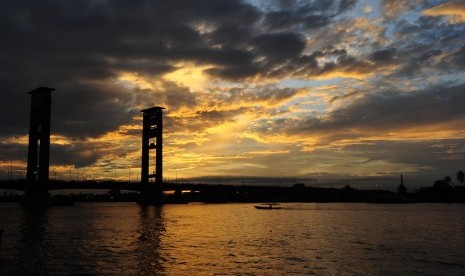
(190, 75)
(454, 10)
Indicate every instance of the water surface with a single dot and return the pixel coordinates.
(209, 239)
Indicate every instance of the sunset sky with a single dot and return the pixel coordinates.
(337, 90)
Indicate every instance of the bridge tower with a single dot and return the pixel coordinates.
(38, 154)
(152, 140)
(39, 146)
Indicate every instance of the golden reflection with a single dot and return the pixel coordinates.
(151, 228)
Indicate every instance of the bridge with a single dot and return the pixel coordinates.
(37, 182)
(24, 186)
(195, 192)
(74, 185)
(37, 185)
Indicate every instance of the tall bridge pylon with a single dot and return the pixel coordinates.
(152, 140)
(38, 155)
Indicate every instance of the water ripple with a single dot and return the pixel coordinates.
(234, 239)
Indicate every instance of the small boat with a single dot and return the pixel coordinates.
(267, 206)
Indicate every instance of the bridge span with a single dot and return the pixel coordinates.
(209, 190)
(97, 185)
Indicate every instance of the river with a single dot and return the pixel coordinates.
(234, 239)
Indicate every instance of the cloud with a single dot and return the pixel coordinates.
(255, 84)
(271, 46)
(394, 8)
(333, 63)
(284, 19)
(424, 154)
(436, 109)
(82, 54)
(79, 154)
(383, 55)
(306, 14)
(423, 160)
(455, 11)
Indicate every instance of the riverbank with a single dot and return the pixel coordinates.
(296, 193)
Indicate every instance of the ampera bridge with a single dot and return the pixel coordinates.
(38, 185)
(151, 186)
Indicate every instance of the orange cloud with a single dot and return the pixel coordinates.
(190, 75)
(454, 10)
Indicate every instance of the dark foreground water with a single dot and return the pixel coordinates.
(209, 239)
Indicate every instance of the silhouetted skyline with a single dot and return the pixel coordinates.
(333, 90)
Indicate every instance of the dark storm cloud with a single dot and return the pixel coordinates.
(272, 45)
(277, 46)
(14, 112)
(346, 4)
(76, 46)
(298, 15)
(232, 36)
(74, 41)
(331, 60)
(119, 28)
(272, 48)
(288, 18)
(392, 111)
(77, 154)
(383, 55)
(90, 109)
(224, 57)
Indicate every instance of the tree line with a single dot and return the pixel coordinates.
(445, 183)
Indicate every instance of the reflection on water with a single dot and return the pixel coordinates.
(151, 227)
(95, 239)
(301, 239)
(32, 258)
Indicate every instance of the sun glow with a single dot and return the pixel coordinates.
(189, 75)
(139, 81)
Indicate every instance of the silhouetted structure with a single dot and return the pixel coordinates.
(39, 136)
(401, 189)
(39, 145)
(152, 139)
